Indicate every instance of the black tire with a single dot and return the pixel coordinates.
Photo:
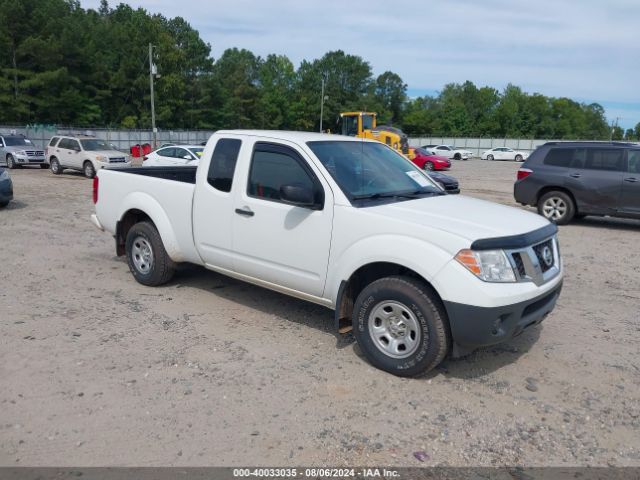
(3, 204)
(426, 325)
(490, 158)
(55, 166)
(11, 162)
(44, 166)
(457, 156)
(518, 158)
(557, 207)
(429, 166)
(159, 267)
(88, 170)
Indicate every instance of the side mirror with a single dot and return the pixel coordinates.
(298, 195)
(187, 157)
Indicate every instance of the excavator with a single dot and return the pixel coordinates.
(363, 125)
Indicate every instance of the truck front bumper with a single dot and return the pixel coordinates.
(473, 327)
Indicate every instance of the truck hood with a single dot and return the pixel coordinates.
(462, 216)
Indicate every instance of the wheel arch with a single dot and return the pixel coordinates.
(553, 188)
(140, 207)
(365, 275)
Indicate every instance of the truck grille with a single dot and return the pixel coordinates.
(538, 263)
(117, 160)
(519, 265)
(544, 253)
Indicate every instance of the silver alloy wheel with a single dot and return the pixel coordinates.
(490, 157)
(429, 166)
(142, 255)
(554, 208)
(54, 165)
(88, 170)
(394, 329)
(10, 161)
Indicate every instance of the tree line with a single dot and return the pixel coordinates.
(65, 65)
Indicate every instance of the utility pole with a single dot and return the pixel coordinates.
(613, 126)
(152, 72)
(321, 103)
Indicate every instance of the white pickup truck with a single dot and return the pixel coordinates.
(346, 223)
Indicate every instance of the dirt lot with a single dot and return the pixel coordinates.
(96, 369)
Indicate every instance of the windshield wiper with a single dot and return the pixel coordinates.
(413, 194)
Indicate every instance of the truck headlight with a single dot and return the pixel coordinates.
(487, 265)
(101, 158)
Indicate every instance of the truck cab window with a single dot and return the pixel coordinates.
(223, 164)
(272, 169)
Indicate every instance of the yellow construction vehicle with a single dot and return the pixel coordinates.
(363, 125)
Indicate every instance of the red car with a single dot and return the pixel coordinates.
(426, 161)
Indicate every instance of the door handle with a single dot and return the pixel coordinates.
(575, 175)
(631, 179)
(246, 213)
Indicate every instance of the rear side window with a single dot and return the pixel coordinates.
(166, 152)
(560, 157)
(223, 164)
(273, 167)
(65, 143)
(605, 159)
(53, 141)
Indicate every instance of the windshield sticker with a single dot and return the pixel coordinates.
(418, 178)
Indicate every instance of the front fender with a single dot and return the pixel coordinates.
(151, 207)
(426, 259)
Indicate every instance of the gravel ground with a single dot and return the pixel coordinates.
(96, 369)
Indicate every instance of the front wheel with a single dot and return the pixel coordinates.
(11, 163)
(490, 158)
(557, 207)
(148, 260)
(457, 156)
(429, 166)
(401, 326)
(518, 158)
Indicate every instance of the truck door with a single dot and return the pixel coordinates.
(213, 205)
(273, 241)
(630, 200)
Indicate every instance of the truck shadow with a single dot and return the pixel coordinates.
(475, 365)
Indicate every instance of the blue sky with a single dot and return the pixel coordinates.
(586, 50)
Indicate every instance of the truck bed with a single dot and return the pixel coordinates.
(179, 174)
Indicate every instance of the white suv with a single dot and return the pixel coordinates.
(87, 154)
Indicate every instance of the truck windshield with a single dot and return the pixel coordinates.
(95, 145)
(371, 170)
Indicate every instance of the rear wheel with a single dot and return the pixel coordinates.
(88, 169)
(557, 207)
(401, 326)
(147, 258)
(56, 168)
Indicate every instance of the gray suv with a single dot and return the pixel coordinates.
(16, 150)
(567, 180)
